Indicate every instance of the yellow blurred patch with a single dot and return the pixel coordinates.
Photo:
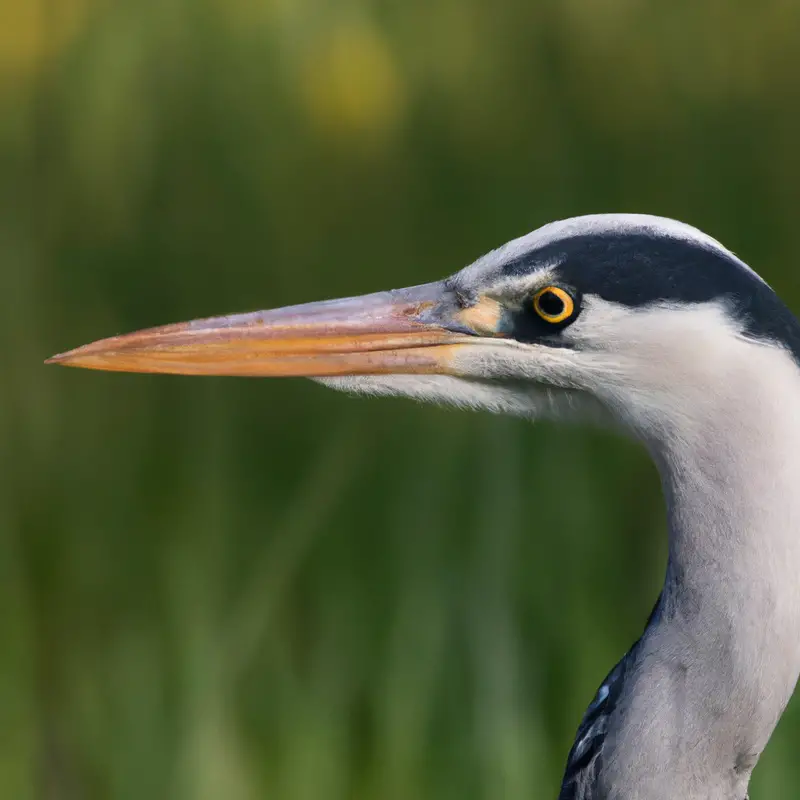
(351, 84)
(32, 31)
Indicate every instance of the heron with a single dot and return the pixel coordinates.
(650, 326)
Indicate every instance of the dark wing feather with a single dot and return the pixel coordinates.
(585, 757)
(585, 760)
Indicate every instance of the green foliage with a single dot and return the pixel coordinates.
(244, 589)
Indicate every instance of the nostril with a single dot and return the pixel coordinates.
(417, 310)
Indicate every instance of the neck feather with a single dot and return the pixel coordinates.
(719, 661)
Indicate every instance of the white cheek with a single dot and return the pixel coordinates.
(440, 389)
(672, 366)
(511, 396)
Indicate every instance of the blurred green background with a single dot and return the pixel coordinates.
(224, 588)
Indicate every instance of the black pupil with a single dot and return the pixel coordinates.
(551, 304)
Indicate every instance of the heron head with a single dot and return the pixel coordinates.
(629, 317)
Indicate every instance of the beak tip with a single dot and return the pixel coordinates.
(70, 358)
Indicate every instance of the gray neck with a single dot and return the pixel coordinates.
(720, 659)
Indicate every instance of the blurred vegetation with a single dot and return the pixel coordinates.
(244, 589)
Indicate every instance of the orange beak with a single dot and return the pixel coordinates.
(403, 331)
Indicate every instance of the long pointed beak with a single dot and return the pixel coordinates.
(401, 331)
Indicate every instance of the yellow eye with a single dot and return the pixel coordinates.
(553, 304)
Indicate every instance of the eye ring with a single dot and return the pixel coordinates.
(553, 304)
